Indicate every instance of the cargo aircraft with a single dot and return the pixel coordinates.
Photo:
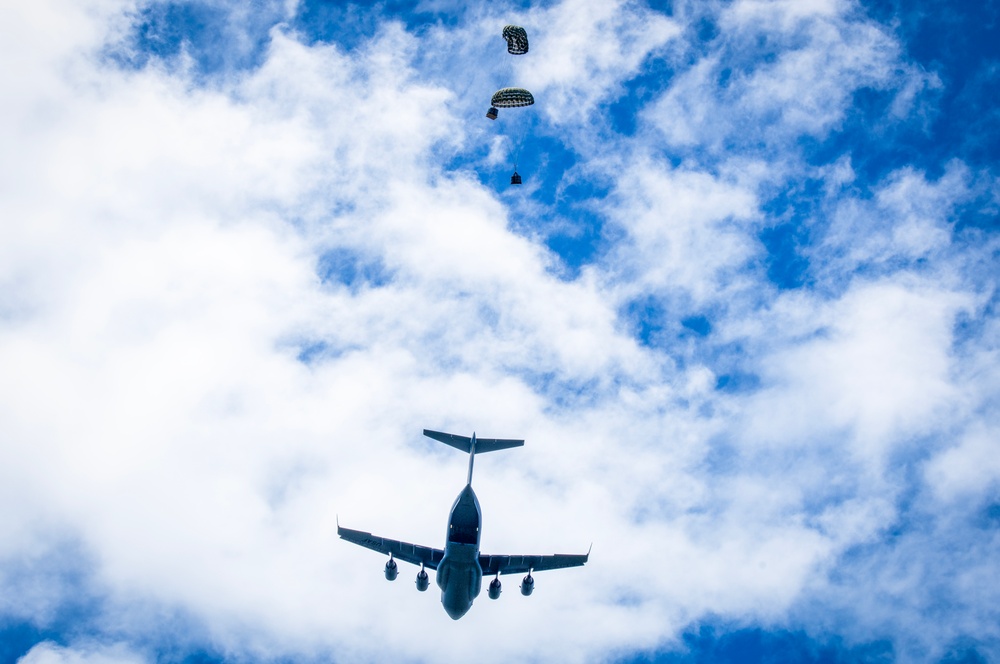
(460, 565)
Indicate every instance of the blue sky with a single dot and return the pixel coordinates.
(743, 309)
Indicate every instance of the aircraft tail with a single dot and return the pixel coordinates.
(473, 445)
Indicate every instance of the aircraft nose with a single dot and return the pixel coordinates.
(455, 610)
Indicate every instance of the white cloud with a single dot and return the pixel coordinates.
(49, 653)
(969, 467)
(816, 56)
(782, 16)
(909, 219)
(876, 370)
(687, 230)
(585, 50)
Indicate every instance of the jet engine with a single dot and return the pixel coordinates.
(527, 585)
(494, 590)
(423, 581)
(391, 569)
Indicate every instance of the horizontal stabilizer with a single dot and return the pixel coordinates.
(464, 443)
(494, 444)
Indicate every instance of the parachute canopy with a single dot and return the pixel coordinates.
(512, 98)
(517, 39)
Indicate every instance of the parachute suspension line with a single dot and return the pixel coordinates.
(518, 143)
(506, 69)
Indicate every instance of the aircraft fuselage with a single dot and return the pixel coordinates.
(459, 575)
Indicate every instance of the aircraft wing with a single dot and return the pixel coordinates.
(411, 553)
(521, 564)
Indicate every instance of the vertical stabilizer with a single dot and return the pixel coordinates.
(472, 457)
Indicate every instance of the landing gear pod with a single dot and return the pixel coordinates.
(423, 581)
(494, 590)
(391, 569)
(527, 585)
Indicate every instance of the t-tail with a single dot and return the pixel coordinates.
(473, 445)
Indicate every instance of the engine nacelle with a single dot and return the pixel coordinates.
(391, 570)
(423, 580)
(494, 589)
(527, 585)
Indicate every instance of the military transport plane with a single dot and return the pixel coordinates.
(460, 566)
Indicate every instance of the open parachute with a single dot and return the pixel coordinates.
(512, 98)
(517, 44)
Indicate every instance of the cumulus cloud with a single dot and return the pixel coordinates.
(586, 50)
(816, 55)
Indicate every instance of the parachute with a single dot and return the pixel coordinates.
(512, 98)
(517, 39)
